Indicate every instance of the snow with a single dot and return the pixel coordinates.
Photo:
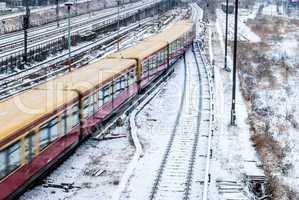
(234, 155)
(155, 125)
(274, 98)
(244, 32)
(111, 156)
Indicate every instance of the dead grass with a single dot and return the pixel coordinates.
(260, 76)
(269, 27)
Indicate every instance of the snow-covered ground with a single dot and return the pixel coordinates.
(269, 74)
(108, 158)
(234, 157)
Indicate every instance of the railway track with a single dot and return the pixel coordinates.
(179, 172)
(28, 78)
(14, 42)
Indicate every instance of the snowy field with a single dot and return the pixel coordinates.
(234, 157)
(269, 73)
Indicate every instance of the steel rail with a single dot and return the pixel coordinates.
(12, 90)
(77, 27)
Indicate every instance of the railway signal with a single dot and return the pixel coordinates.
(233, 109)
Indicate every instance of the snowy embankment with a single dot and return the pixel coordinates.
(234, 159)
(268, 78)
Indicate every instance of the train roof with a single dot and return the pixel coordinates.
(140, 51)
(154, 43)
(18, 112)
(174, 32)
(90, 76)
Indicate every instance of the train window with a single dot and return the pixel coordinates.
(64, 123)
(75, 115)
(2, 165)
(29, 146)
(107, 94)
(123, 82)
(116, 87)
(53, 129)
(132, 77)
(100, 95)
(86, 107)
(14, 160)
(44, 136)
(94, 103)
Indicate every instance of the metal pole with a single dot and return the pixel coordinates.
(26, 26)
(233, 110)
(226, 32)
(118, 23)
(153, 14)
(69, 36)
(57, 12)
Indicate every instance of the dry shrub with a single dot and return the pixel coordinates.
(268, 149)
(269, 27)
(280, 191)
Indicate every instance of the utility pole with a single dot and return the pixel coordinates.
(26, 24)
(226, 32)
(233, 110)
(118, 23)
(68, 5)
(57, 12)
(153, 15)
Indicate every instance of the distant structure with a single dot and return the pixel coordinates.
(18, 3)
(13, 3)
(293, 3)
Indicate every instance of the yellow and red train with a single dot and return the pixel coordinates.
(41, 125)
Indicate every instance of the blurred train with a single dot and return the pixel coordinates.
(40, 126)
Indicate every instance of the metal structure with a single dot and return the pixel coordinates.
(233, 109)
(118, 22)
(226, 32)
(26, 24)
(57, 12)
(69, 4)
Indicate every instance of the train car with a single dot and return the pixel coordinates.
(41, 125)
(179, 37)
(31, 123)
(157, 53)
(150, 57)
(103, 87)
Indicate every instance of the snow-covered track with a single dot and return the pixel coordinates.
(22, 80)
(12, 44)
(208, 107)
(175, 176)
